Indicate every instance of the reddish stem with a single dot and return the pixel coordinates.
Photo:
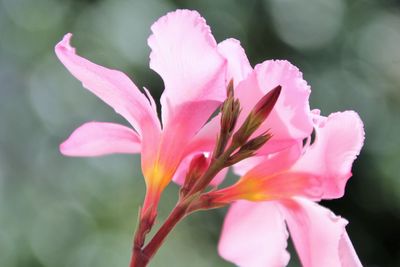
(138, 259)
(141, 257)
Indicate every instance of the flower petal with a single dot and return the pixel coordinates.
(244, 166)
(290, 120)
(338, 141)
(238, 66)
(180, 130)
(263, 166)
(185, 55)
(318, 234)
(254, 234)
(181, 172)
(101, 138)
(347, 254)
(219, 178)
(111, 86)
(205, 138)
(283, 185)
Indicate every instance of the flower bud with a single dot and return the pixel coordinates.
(264, 107)
(257, 116)
(249, 148)
(230, 110)
(198, 166)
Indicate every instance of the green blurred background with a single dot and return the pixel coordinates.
(58, 211)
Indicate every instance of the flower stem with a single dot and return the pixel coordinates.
(191, 197)
(138, 259)
(176, 215)
(141, 257)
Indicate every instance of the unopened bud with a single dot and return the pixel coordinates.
(249, 148)
(257, 142)
(229, 89)
(230, 110)
(229, 114)
(198, 166)
(257, 116)
(264, 107)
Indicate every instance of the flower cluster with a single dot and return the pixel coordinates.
(264, 131)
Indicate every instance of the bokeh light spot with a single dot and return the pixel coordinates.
(307, 24)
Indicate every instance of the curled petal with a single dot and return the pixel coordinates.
(238, 66)
(339, 139)
(319, 236)
(101, 138)
(254, 235)
(111, 86)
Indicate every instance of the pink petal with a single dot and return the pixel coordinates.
(219, 178)
(347, 254)
(254, 234)
(290, 120)
(271, 179)
(263, 166)
(318, 234)
(101, 138)
(112, 86)
(279, 181)
(151, 99)
(205, 139)
(288, 184)
(179, 131)
(238, 67)
(339, 139)
(180, 174)
(185, 55)
(244, 166)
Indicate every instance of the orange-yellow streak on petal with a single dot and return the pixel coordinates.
(158, 176)
(278, 186)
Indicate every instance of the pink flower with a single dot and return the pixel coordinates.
(186, 56)
(283, 181)
(289, 122)
(282, 188)
(278, 187)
